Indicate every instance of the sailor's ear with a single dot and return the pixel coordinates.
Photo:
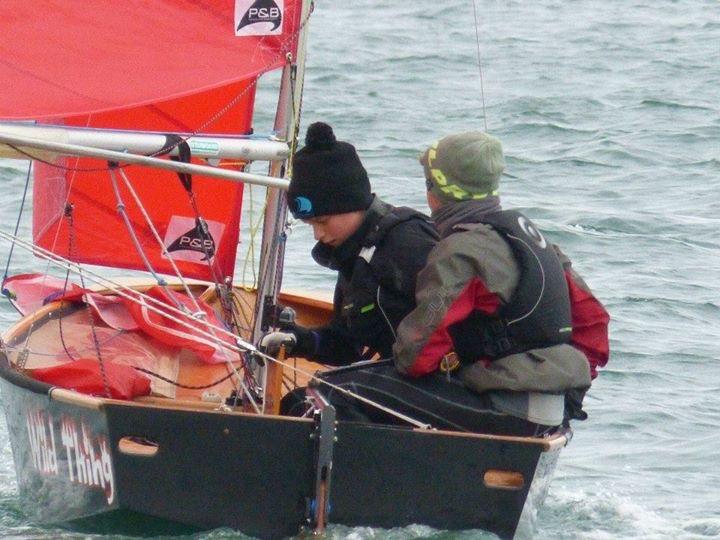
(433, 202)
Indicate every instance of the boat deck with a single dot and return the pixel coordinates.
(59, 333)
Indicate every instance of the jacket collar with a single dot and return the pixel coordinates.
(448, 216)
(343, 256)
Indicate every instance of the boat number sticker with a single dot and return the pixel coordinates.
(187, 239)
(77, 452)
(258, 17)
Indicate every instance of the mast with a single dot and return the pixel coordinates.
(287, 125)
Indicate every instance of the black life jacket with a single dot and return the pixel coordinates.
(369, 300)
(538, 314)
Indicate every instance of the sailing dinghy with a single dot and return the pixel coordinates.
(142, 395)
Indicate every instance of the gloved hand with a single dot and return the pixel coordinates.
(271, 342)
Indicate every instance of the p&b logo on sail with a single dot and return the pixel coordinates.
(188, 240)
(258, 17)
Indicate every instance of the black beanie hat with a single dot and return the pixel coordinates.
(327, 176)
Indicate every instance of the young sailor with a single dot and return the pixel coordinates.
(377, 250)
(499, 308)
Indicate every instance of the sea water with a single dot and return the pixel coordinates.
(609, 114)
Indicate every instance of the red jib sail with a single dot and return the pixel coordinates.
(168, 66)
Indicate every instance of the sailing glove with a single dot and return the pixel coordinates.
(297, 339)
(271, 342)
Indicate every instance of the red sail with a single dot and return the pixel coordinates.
(76, 209)
(166, 66)
(63, 58)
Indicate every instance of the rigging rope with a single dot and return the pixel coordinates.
(17, 227)
(136, 296)
(479, 61)
(96, 343)
(241, 345)
(61, 319)
(155, 234)
(199, 313)
(67, 212)
(129, 293)
(120, 206)
(254, 228)
(185, 386)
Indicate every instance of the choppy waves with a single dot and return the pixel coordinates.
(610, 121)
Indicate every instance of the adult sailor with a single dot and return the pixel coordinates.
(499, 308)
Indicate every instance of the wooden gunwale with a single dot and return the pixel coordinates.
(551, 443)
(319, 307)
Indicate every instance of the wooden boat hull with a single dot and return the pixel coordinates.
(78, 456)
(183, 460)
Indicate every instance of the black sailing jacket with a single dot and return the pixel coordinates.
(377, 268)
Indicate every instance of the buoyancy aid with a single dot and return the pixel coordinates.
(376, 295)
(538, 314)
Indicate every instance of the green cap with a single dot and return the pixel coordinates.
(464, 166)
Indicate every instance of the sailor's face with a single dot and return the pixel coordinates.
(334, 229)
